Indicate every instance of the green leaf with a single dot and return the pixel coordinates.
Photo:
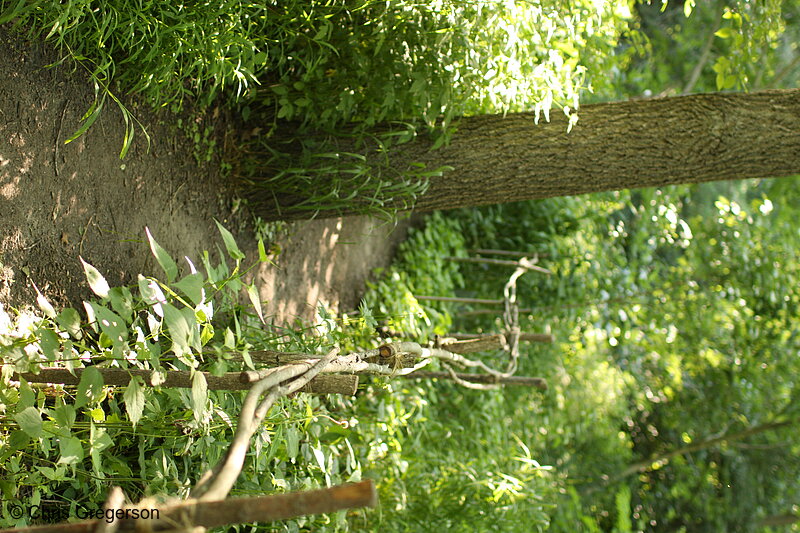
(99, 439)
(122, 302)
(27, 398)
(88, 119)
(18, 440)
(199, 395)
(262, 252)
(97, 282)
(70, 321)
(49, 342)
(152, 294)
(43, 304)
(71, 450)
(206, 334)
(64, 415)
(90, 387)
(255, 299)
(30, 421)
(192, 286)
(111, 324)
(163, 258)
(724, 33)
(53, 474)
(319, 455)
(292, 442)
(180, 331)
(230, 243)
(134, 400)
(229, 339)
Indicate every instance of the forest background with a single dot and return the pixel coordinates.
(672, 403)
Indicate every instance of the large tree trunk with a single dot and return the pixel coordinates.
(640, 143)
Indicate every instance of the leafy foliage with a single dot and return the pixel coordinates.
(674, 309)
(63, 446)
(422, 269)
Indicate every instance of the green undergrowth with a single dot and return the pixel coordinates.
(421, 268)
(509, 458)
(669, 332)
(63, 446)
(301, 70)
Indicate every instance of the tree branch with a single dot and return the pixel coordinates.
(232, 511)
(647, 464)
(217, 483)
(119, 377)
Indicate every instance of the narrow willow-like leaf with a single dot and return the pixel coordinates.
(230, 243)
(199, 395)
(163, 258)
(255, 299)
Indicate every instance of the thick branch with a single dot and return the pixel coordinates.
(480, 343)
(235, 511)
(621, 145)
(118, 377)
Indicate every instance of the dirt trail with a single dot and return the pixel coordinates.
(58, 202)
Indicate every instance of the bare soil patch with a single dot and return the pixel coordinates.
(59, 202)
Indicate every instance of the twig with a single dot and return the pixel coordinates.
(509, 253)
(481, 301)
(470, 384)
(705, 54)
(523, 381)
(528, 337)
(85, 231)
(58, 134)
(785, 71)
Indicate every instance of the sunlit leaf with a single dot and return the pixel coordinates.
(30, 421)
(134, 399)
(97, 282)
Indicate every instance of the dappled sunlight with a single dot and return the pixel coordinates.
(323, 260)
(12, 170)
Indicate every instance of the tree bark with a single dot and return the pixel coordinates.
(118, 377)
(622, 145)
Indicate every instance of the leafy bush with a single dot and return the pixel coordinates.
(421, 269)
(62, 446)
